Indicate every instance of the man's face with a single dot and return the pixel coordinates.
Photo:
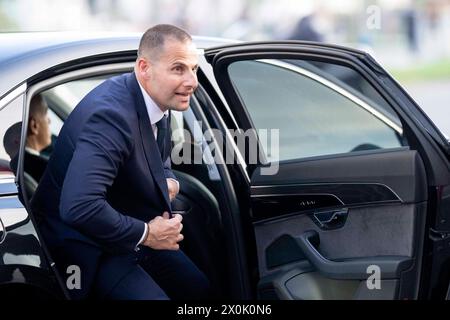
(171, 79)
(45, 135)
(40, 128)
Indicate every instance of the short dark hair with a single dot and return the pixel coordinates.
(152, 41)
(11, 139)
(38, 105)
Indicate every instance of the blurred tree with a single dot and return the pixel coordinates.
(6, 23)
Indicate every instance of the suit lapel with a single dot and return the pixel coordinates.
(151, 152)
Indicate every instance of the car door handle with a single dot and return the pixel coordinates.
(355, 268)
(329, 220)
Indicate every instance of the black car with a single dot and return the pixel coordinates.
(306, 171)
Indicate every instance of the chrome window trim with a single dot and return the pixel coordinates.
(269, 195)
(337, 89)
(208, 71)
(79, 74)
(12, 95)
(331, 183)
(3, 231)
(237, 152)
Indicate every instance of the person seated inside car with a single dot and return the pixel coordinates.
(11, 141)
(38, 138)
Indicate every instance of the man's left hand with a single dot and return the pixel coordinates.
(173, 187)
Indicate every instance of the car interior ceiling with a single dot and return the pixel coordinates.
(199, 203)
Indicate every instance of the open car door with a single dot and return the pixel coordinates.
(350, 183)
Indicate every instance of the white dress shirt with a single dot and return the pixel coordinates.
(155, 114)
(32, 151)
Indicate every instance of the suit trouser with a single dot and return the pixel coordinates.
(151, 275)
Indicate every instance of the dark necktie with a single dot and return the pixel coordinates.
(162, 130)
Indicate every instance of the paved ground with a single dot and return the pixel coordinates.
(434, 99)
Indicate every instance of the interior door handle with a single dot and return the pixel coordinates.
(355, 268)
(329, 220)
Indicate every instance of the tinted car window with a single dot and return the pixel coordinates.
(316, 111)
(63, 98)
(10, 132)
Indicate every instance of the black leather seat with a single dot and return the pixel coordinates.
(202, 227)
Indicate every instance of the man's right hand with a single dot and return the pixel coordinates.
(164, 233)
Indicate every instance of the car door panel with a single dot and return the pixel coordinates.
(303, 283)
(379, 226)
(369, 231)
(394, 175)
(329, 219)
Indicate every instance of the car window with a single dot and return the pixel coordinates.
(10, 132)
(63, 98)
(56, 122)
(318, 108)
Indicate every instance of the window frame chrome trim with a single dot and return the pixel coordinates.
(2, 239)
(337, 89)
(15, 93)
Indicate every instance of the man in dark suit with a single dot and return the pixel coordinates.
(104, 200)
(38, 138)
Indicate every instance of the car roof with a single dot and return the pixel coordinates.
(26, 54)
